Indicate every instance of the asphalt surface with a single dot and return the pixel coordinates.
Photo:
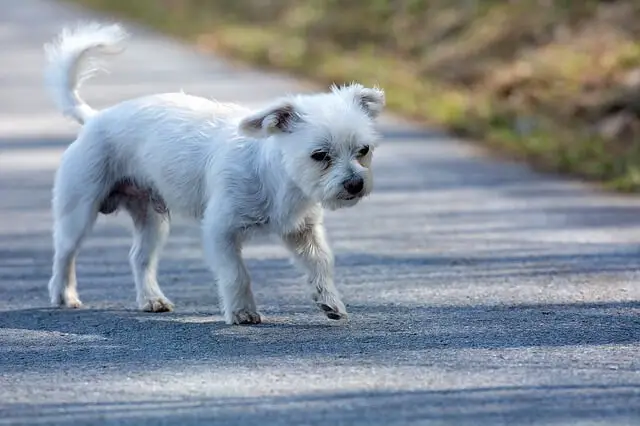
(479, 292)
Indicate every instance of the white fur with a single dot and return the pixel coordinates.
(236, 171)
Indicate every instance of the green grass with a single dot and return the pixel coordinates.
(529, 79)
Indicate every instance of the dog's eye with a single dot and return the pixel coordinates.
(320, 156)
(364, 151)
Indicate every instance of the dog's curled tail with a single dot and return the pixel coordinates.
(72, 59)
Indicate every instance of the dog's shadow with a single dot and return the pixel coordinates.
(35, 339)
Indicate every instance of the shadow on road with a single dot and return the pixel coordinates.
(611, 404)
(130, 338)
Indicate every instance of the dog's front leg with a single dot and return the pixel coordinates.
(223, 254)
(311, 250)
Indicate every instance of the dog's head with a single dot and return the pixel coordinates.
(327, 141)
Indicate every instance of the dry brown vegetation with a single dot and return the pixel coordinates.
(556, 83)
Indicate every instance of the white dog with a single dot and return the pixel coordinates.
(236, 171)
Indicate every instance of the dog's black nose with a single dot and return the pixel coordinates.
(354, 185)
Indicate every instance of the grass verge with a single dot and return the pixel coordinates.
(552, 83)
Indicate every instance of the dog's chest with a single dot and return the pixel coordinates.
(277, 208)
(277, 222)
(292, 220)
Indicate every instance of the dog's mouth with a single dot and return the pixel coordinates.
(343, 199)
(350, 197)
(346, 198)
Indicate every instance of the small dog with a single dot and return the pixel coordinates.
(237, 171)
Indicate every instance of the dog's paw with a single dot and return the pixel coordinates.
(332, 312)
(244, 317)
(72, 303)
(157, 304)
(69, 302)
(331, 305)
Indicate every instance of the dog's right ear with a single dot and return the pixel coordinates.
(279, 118)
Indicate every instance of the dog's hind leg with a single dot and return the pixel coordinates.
(71, 226)
(151, 230)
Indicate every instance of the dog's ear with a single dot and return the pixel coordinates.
(279, 118)
(371, 100)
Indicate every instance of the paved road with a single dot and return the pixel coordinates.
(480, 293)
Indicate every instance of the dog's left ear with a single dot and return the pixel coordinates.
(279, 118)
(371, 100)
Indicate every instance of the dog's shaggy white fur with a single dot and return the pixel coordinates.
(236, 171)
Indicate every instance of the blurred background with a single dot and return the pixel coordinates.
(552, 83)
